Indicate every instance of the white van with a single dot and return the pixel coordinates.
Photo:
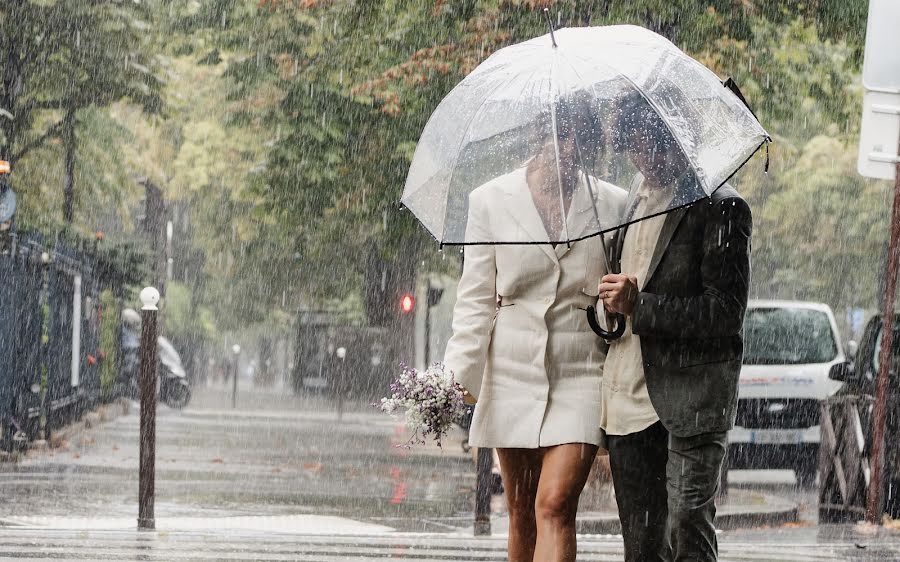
(789, 347)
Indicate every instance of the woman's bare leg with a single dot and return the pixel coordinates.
(564, 471)
(521, 470)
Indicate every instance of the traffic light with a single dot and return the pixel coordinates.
(407, 303)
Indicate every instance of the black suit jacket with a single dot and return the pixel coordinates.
(690, 313)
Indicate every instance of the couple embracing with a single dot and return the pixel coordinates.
(550, 395)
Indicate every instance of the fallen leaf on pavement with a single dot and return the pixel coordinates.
(314, 467)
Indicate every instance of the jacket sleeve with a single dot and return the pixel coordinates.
(476, 301)
(725, 272)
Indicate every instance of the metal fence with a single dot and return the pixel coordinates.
(50, 322)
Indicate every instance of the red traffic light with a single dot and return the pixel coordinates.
(407, 303)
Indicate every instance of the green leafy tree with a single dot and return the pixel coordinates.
(60, 59)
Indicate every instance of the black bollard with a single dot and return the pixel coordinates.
(148, 357)
(236, 349)
(341, 382)
(483, 467)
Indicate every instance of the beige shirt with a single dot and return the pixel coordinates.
(625, 406)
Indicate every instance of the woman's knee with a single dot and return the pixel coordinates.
(556, 505)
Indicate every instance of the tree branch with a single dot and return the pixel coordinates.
(49, 133)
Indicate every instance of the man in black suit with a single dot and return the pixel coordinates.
(670, 383)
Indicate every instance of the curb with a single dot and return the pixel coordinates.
(90, 420)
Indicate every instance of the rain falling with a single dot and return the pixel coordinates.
(527, 280)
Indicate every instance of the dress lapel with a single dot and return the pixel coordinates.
(673, 219)
(521, 208)
(579, 216)
(619, 240)
(688, 192)
(593, 209)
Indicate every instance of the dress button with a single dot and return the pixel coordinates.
(548, 300)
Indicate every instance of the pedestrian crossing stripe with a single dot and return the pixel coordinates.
(37, 545)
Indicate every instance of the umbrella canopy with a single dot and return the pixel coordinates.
(578, 116)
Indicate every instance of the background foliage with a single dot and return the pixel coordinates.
(281, 132)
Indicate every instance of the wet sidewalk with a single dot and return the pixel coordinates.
(283, 464)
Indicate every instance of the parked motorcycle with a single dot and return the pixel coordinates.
(173, 386)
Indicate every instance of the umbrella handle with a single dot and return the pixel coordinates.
(595, 326)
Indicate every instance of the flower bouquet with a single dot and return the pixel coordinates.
(432, 399)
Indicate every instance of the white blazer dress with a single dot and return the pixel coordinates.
(533, 363)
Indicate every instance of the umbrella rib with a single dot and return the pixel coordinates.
(580, 156)
(465, 135)
(653, 105)
(687, 59)
(562, 203)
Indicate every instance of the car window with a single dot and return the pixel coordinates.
(877, 351)
(787, 336)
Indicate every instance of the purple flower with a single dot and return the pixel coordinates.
(431, 399)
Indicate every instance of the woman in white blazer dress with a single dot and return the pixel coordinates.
(522, 347)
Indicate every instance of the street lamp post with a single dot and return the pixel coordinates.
(148, 354)
(236, 349)
(341, 353)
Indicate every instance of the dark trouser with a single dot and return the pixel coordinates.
(666, 488)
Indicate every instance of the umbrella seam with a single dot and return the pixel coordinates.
(653, 105)
(590, 190)
(463, 140)
(553, 121)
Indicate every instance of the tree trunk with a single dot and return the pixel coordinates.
(68, 135)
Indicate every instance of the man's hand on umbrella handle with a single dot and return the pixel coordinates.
(618, 292)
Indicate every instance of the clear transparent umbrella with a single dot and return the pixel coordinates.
(568, 124)
(593, 85)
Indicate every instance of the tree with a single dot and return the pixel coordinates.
(290, 124)
(346, 89)
(63, 57)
